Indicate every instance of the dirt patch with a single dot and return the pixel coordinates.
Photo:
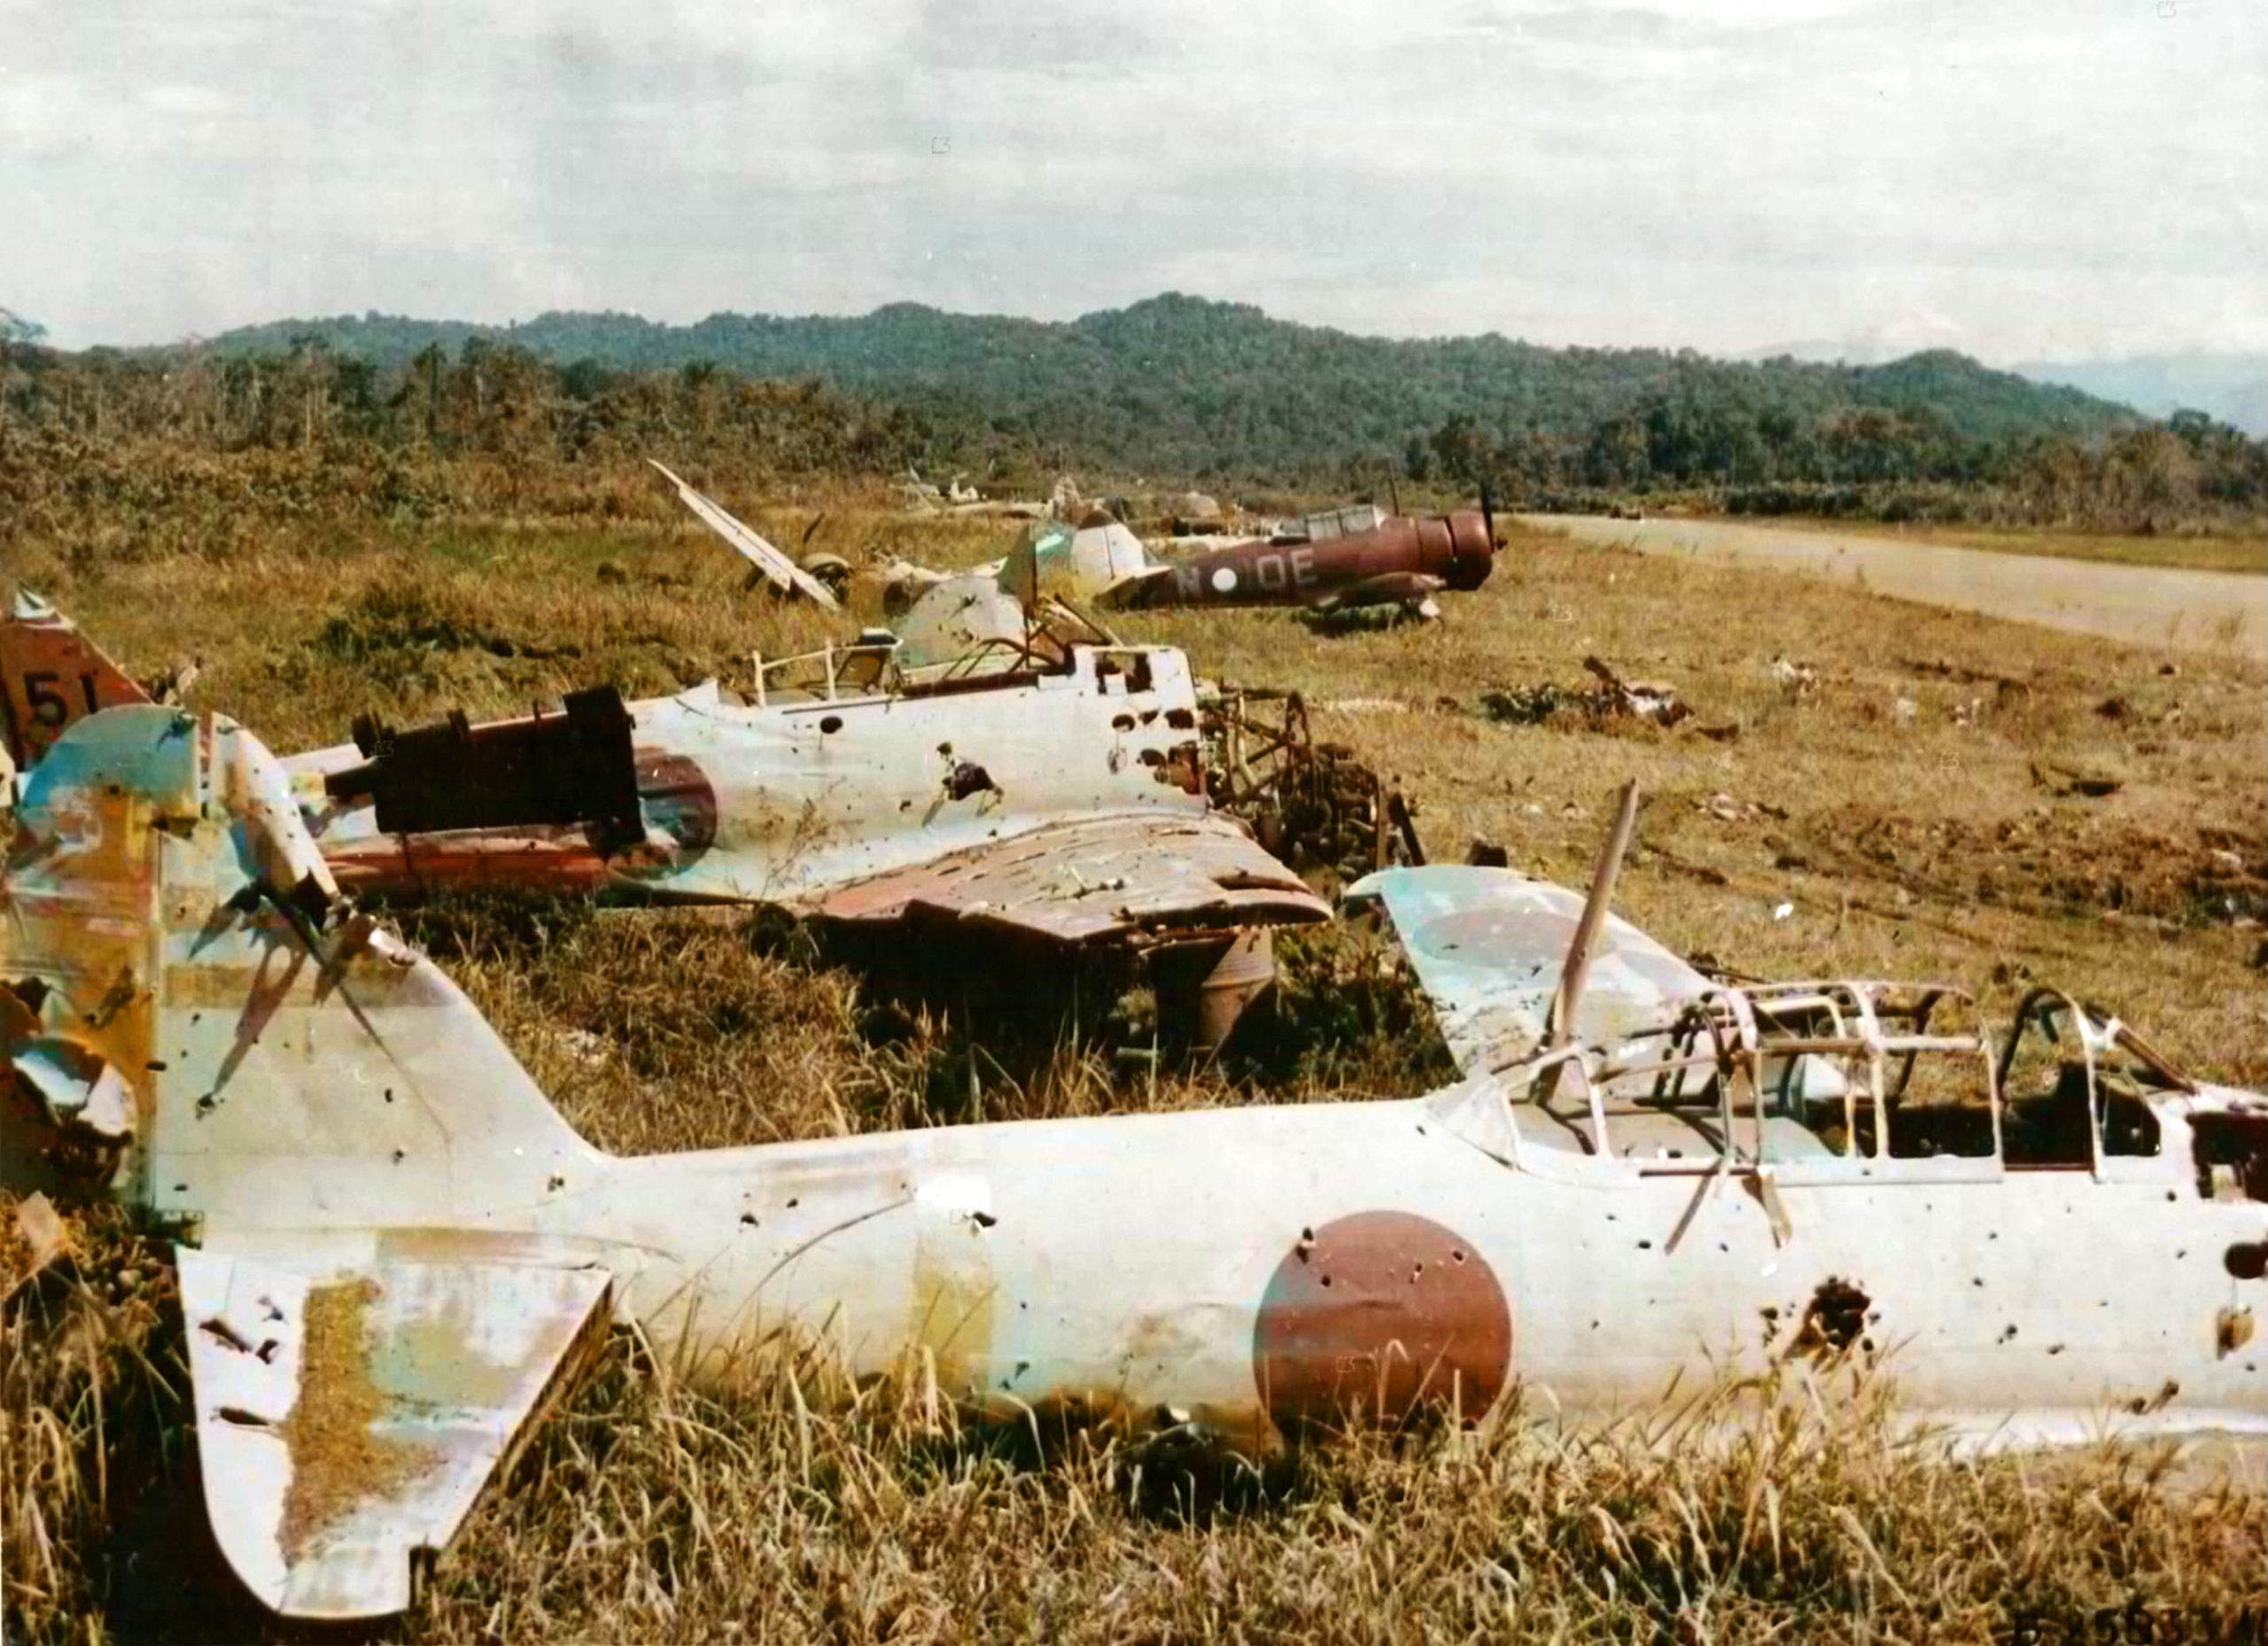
(2056, 861)
(337, 1461)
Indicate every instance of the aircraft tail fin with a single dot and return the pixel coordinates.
(286, 1062)
(376, 1315)
(50, 675)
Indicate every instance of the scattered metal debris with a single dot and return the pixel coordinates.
(1309, 803)
(1609, 698)
(1799, 681)
(2065, 781)
(1725, 809)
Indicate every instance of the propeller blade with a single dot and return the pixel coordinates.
(1487, 513)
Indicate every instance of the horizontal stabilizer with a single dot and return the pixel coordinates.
(346, 1421)
(1126, 591)
(1488, 945)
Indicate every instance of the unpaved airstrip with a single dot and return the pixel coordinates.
(2190, 610)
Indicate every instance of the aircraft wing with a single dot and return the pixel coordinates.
(1389, 588)
(1127, 590)
(785, 574)
(1488, 945)
(348, 1420)
(1098, 879)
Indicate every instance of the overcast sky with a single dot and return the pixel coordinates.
(2018, 178)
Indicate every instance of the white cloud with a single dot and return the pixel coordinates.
(2035, 176)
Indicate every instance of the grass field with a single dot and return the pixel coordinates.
(1913, 811)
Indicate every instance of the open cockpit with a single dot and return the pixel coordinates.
(1854, 1079)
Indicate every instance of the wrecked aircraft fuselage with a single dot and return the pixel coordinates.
(351, 1141)
(1401, 561)
(1011, 773)
(740, 799)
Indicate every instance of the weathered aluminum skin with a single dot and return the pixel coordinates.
(1031, 783)
(1061, 757)
(316, 1098)
(458, 1360)
(1488, 946)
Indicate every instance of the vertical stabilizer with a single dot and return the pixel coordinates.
(51, 676)
(288, 1065)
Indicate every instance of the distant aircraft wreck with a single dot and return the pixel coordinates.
(1335, 562)
(1642, 1176)
(1341, 560)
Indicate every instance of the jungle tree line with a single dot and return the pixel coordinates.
(487, 429)
(1906, 464)
(493, 426)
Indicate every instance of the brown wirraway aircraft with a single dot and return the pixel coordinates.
(1334, 561)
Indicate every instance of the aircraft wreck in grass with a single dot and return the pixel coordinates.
(1332, 562)
(1343, 560)
(1642, 1175)
(1038, 784)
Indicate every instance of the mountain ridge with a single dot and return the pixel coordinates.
(1187, 383)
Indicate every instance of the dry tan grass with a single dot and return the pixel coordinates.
(2134, 907)
(1920, 845)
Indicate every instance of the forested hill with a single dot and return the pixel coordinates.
(1179, 385)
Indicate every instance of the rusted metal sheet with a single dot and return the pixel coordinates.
(1094, 880)
(1590, 1224)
